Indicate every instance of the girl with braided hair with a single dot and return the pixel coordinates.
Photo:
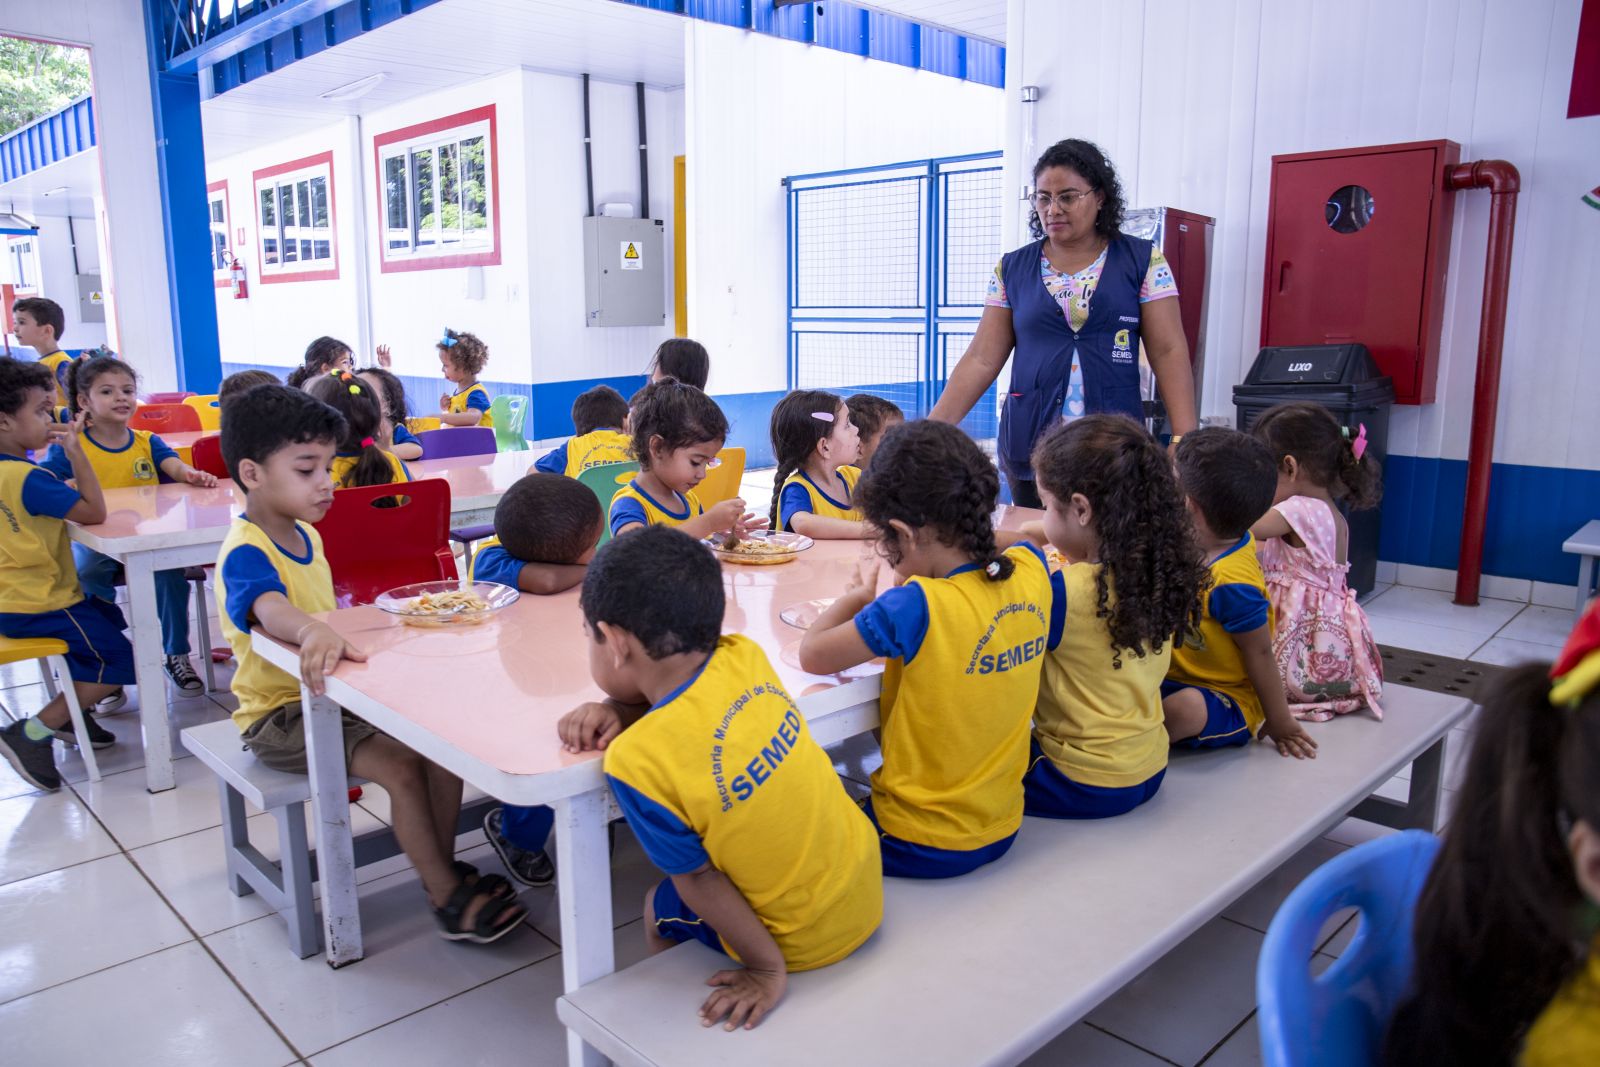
(1132, 580)
(816, 444)
(964, 636)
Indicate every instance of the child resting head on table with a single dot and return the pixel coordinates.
(1223, 688)
(598, 416)
(966, 631)
(279, 446)
(816, 445)
(677, 433)
(768, 859)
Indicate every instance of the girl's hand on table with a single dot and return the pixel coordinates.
(589, 727)
(204, 479)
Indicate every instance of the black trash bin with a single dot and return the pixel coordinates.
(1344, 379)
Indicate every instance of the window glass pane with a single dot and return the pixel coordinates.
(269, 249)
(396, 199)
(269, 216)
(302, 194)
(319, 201)
(290, 231)
(216, 211)
(427, 223)
(219, 251)
(449, 195)
(474, 194)
(322, 249)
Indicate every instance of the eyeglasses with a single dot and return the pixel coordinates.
(1065, 201)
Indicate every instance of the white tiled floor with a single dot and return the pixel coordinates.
(115, 901)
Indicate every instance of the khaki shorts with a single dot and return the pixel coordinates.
(278, 739)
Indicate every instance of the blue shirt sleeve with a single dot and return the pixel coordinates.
(56, 462)
(45, 494)
(160, 451)
(1058, 608)
(1239, 608)
(792, 502)
(671, 845)
(247, 575)
(553, 461)
(896, 623)
(495, 564)
(403, 436)
(626, 511)
(478, 400)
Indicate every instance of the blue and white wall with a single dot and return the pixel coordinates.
(1192, 101)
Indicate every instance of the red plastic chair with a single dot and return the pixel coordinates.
(167, 398)
(165, 418)
(372, 547)
(206, 455)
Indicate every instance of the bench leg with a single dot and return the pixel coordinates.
(583, 887)
(294, 853)
(235, 833)
(330, 799)
(1585, 580)
(1421, 808)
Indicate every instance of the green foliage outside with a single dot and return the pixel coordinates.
(37, 79)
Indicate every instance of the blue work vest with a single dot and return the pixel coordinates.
(1107, 345)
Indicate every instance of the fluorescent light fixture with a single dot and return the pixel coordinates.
(356, 89)
(57, 191)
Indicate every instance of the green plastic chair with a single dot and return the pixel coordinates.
(604, 481)
(508, 413)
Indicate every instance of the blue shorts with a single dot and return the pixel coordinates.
(905, 859)
(1049, 794)
(676, 921)
(1225, 724)
(97, 652)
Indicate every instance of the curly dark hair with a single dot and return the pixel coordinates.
(83, 373)
(1323, 448)
(1091, 164)
(930, 474)
(679, 415)
(322, 355)
(468, 354)
(1148, 552)
(362, 409)
(795, 433)
(17, 378)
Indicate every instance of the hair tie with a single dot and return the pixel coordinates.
(449, 339)
(1358, 447)
(822, 416)
(366, 442)
(992, 568)
(1576, 671)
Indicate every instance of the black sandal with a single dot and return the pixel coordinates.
(497, 884)
(496, 918)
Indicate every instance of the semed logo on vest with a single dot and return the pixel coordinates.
(1122, 348)
(143, 469)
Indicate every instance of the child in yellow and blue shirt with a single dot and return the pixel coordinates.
(461, 359)
(1131, 580)
(105, 389)
(966, 632)
(360, 459)
(39, 592)
(1224, 688)
(767, 858)
(816, 444)
(597, 418)
(38, 322)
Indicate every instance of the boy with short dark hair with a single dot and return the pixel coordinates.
(682, 358)
(873, 416)
(768, 858)
(40, 595)
(598, 416)
(1223, 687)
(279, 444)
(241, 382)
(39, 323)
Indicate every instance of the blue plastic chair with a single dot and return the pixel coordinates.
(1338, 1018)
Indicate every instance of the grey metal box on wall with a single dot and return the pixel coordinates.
(624, 280)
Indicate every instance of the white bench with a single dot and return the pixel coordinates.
(987, 968)
(286, 883)
(1585, 544)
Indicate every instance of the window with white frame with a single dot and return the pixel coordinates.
(221, 256)
(294, 210)
(24, 265)
(437, 198)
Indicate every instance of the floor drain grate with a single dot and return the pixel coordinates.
(1437, 674)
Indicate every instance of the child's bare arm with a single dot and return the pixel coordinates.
(1032, 532)
(179, 471)
(407, 450)
(1255, 649)
(1271, 525)
(827, 528)
(833, 643)
(469, 417)
(321, 647)
(723, 516)
(543, 579)
(743, 995)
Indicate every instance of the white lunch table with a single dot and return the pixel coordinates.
(160, 527)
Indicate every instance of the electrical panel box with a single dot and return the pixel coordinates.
(624, 280)
(1358, 241)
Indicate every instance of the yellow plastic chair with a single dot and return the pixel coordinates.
(53, 652)
(722, 481)
(208, 410)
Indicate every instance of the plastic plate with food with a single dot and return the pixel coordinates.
(447, 603)
(759, 548)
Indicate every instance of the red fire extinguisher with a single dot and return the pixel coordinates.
(240, 292)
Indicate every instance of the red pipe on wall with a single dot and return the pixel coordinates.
(1503, 183)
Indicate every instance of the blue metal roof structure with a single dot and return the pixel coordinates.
(48, 140)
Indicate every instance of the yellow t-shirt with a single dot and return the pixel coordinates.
(724, 771)
(834, 501)
(1236, 603)
(1567, 1032)
(964, 655)
(1099, 724)
(249, 564)
(136, 463)
(595, 449)
(36, 570)
(632, 504)
(57, 362)
(345, 462)
(479, 397)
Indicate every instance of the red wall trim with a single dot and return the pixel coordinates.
(328, 274)
(491, 258)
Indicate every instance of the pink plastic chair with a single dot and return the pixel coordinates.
(167, 398)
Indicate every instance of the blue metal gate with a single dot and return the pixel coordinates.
(888, 267)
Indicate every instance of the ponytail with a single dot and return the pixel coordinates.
(1333, 456)
(1360, 481)
(363, 413)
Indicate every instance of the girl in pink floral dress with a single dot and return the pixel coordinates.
(1324, 648)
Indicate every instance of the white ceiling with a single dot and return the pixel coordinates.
(447, 44)
(72, 184)
(977, 18)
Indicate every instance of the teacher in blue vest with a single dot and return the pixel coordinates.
(1074, 306)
